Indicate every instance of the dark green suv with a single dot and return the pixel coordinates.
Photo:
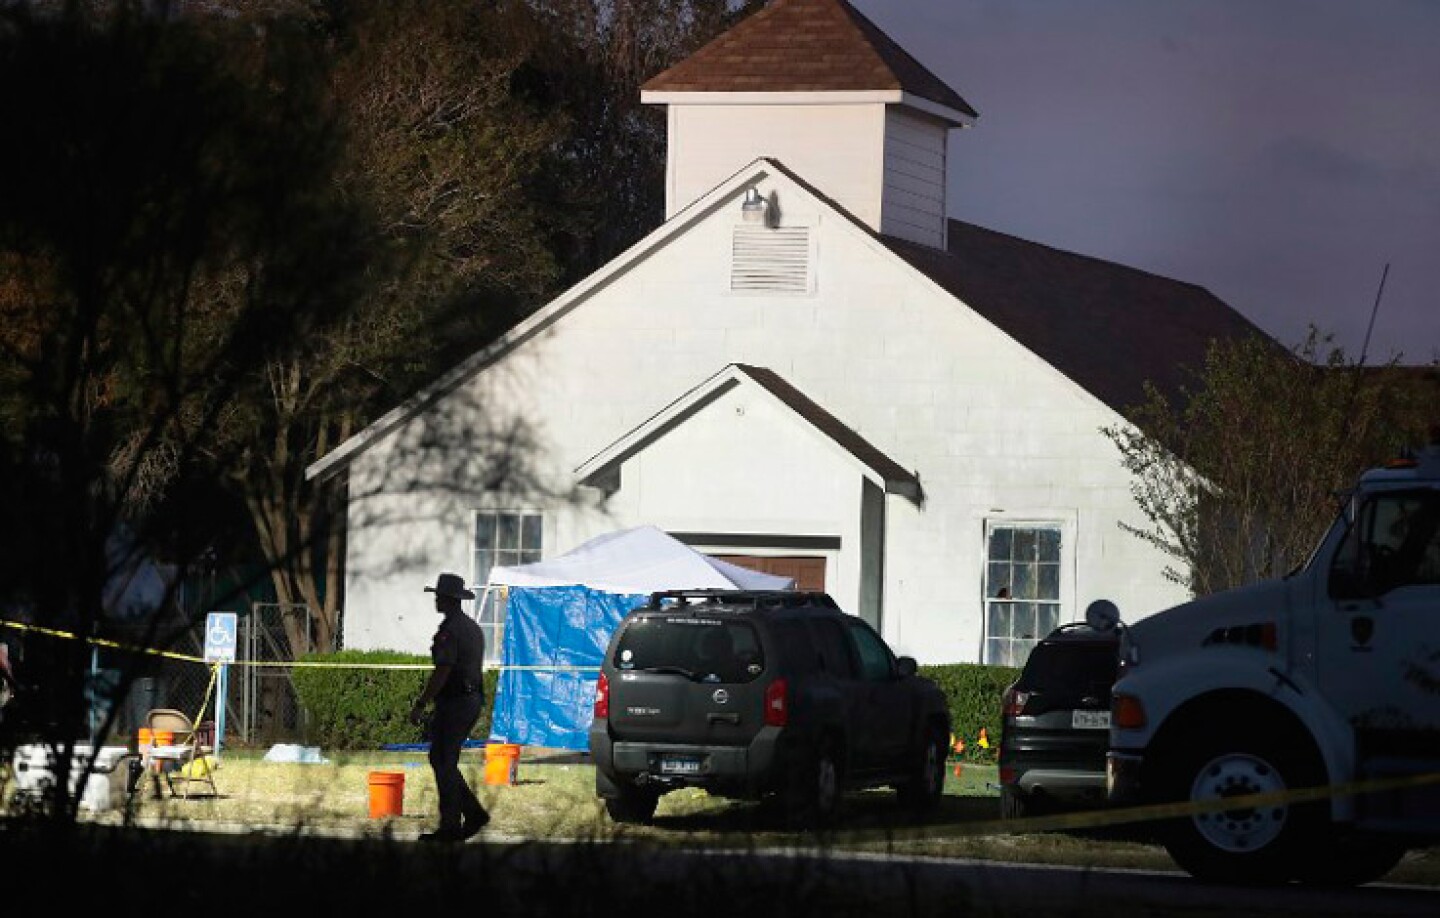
(755, 695)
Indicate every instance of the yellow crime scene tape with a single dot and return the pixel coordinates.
(321, 664)
(1088, 819)
(1116, 816)
(191, 658)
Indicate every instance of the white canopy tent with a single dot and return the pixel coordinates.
(640, 560)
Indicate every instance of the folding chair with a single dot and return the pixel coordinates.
(188, 760)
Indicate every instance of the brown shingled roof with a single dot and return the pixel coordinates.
(1106, 326)
(805, 46)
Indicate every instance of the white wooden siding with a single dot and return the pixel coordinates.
(913, 205)
(835, 147)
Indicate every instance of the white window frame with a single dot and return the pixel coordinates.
(1019, 644)
(490, 605)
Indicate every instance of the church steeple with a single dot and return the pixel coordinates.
(818, 87)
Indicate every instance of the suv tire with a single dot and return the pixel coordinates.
(633, 806)
(813, 798)
(926, 785)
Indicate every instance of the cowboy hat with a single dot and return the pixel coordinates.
(452, 585)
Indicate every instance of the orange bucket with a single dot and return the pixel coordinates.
(387, 793)
(502, 763)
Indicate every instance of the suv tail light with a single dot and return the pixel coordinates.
(602, 696)
(777, 711)
(1013, 702)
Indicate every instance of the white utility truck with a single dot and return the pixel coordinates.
(1326, 678)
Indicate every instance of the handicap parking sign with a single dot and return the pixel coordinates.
(220, 631)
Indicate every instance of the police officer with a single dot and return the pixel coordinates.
(458, 652)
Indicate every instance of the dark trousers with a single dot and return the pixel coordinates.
(454, 719)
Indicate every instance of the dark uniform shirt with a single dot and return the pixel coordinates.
(460, 644)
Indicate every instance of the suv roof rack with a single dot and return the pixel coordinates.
(749, 599)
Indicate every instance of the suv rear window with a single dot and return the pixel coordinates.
(1073, 665)
(704, 649)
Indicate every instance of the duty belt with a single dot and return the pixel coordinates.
(466, 688)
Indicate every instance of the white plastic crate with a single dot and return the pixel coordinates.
(34, 767)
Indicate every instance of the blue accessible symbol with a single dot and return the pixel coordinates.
(220, 637)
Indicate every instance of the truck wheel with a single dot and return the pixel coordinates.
(1350, 859)
(633, 806)
(814, 795)
(1251, 844)
(926, 784)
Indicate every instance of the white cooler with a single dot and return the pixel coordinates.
(34, 767)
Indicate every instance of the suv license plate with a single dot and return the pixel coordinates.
(1090, 720)
(679, 765)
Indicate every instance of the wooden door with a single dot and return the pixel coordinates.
(808, 571)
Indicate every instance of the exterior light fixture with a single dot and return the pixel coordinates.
(753, 207)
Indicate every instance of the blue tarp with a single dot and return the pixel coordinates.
(541, 698)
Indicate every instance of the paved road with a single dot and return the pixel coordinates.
(347, 872)
(807, 883)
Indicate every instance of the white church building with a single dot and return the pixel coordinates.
(808, 368)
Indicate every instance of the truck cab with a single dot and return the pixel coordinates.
(1291, 689)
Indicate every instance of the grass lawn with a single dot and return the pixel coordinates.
(548, 800)
(555, 799)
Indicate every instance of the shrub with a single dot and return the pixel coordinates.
(973, 691)
(364, 706)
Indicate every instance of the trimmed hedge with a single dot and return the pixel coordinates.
(364, 708)
(973, 691)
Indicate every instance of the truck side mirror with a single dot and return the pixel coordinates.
(1102, 615)
(906, 667)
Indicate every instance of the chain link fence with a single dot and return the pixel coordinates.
(269, 711)
(261, 707)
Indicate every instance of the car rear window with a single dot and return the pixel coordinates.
(1072, 665)
(703, 649)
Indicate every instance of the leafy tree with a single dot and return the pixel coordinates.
(168, 224)
(1238, 480)
(438, 149)
(505, 151)
(603, 186)
(484, 155)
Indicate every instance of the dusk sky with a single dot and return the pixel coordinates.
(1276, 152)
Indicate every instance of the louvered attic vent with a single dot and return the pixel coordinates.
(766, 260)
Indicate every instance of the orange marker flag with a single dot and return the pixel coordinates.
(958, 745)
(984, 739)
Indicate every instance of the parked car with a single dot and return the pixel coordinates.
(761, 695)
(1055, 723)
